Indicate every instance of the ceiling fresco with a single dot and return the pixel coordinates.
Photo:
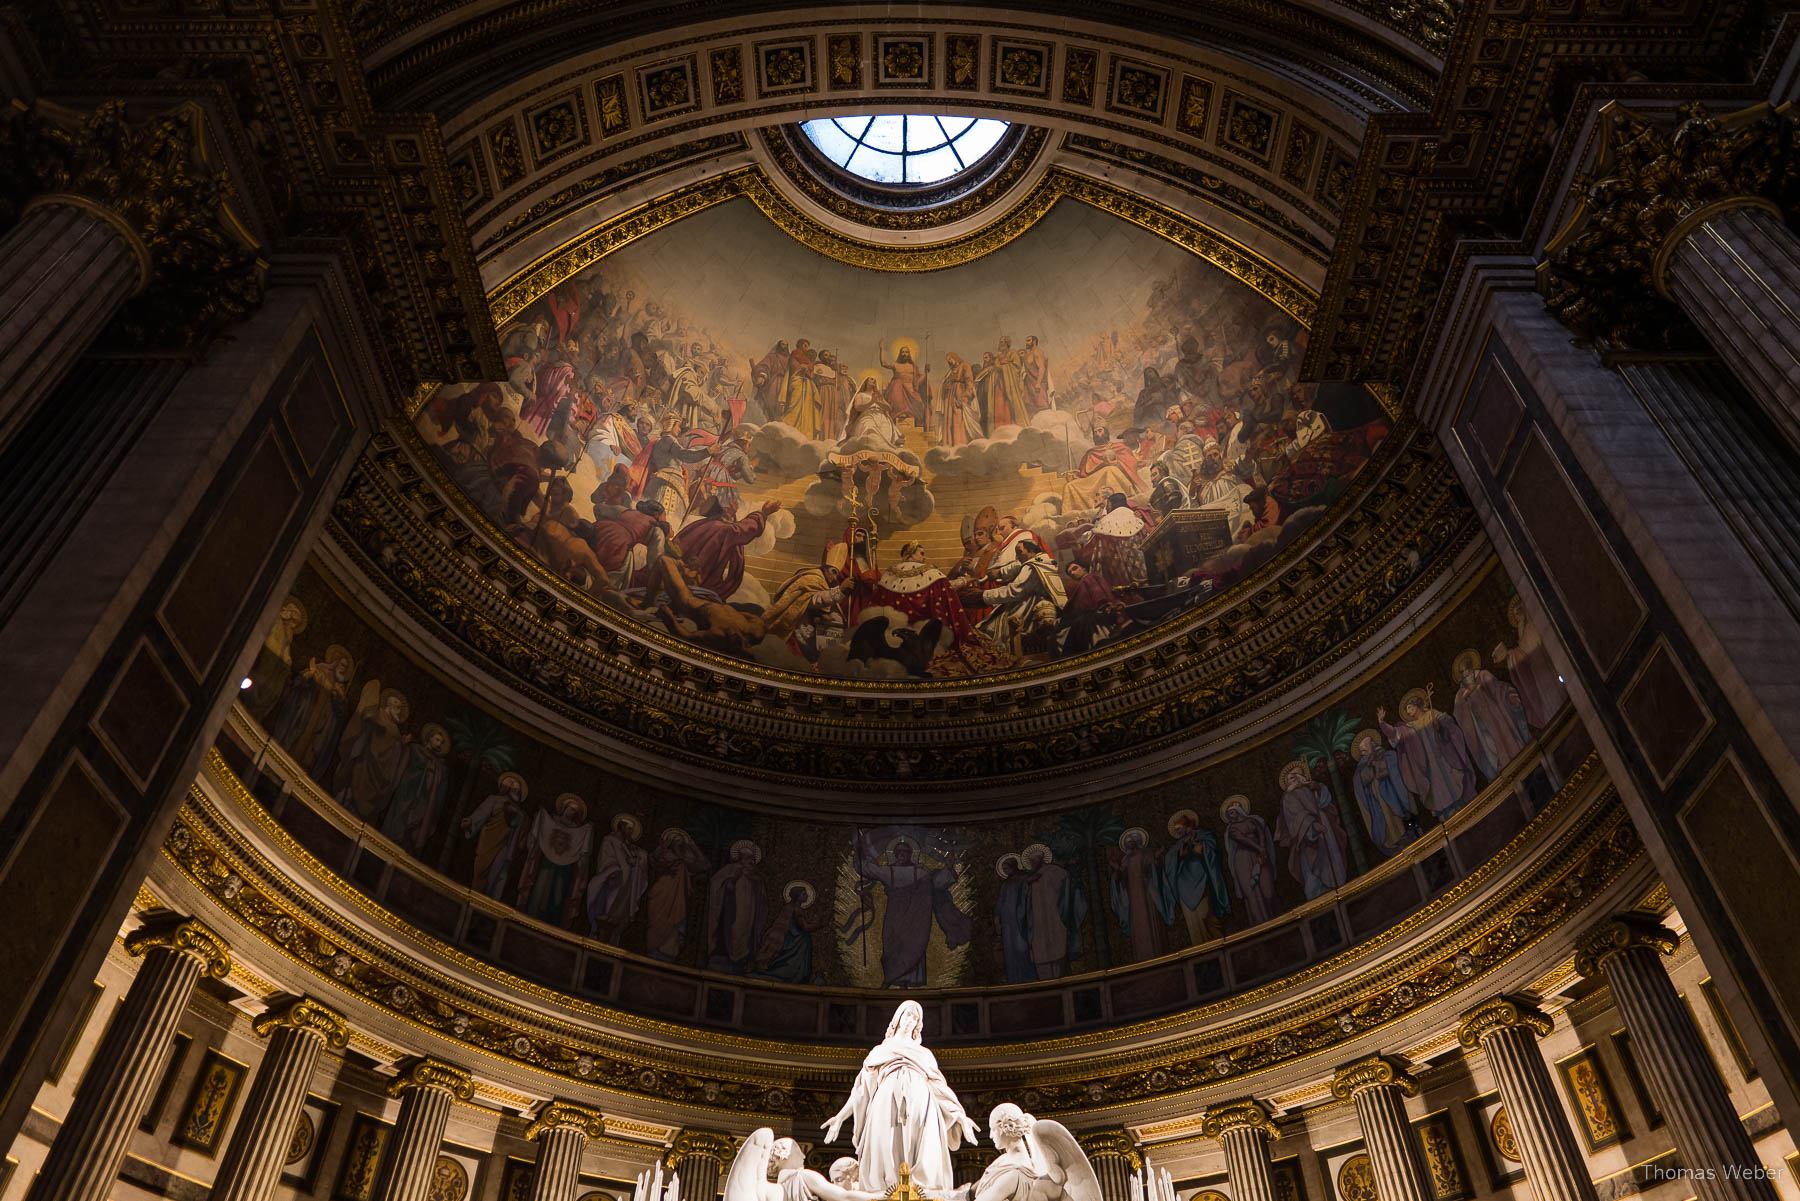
(816, 467)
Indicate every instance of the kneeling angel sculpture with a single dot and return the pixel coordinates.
(1038, 1161)
(763, 1153)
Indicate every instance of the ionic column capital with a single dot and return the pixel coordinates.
(186, 936)
(715, 1143)
(1499, 1014)
(566, 1115)
(1246, 1113)
(1372, 1071)
(425, 1072)
(1621, 933)
(1111, 1142)
(303, 1013)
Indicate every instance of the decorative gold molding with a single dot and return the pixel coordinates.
(304, 1013)
(1499, 1014)
(566, 1115)
(714, 1143)
(1274, 283)
(1245, 1114)
(1620, 934)
(426, 1072)
(186, 936)
(1373, 1072)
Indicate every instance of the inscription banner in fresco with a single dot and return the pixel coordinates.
(463, 786)
(823, 468)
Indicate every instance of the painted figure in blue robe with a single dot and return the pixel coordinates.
(1144, 906)
(1055, 907)
(412, 815)
(1387, 807)
(786, 953)
(1012, 915)
(1194, 878)
(556, 856)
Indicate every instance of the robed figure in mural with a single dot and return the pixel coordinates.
(620, 878)
(494, 825)
(372, 753)
(1309, 827)
(1012, 918)
(556, 861)
(1194, 878)
(1381, 794)
(1056, 908)
(1528, 669)
(1144, 907)
(909, 388)
(916, 894)
(1250, 848)
(1490, 713)
(736, 911)
(903, 1112)
(678, 862)
(419, 795)
(1434, 753)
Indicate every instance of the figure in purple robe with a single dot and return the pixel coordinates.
(1310, 829)
(1490, 713)
(915, 894)
(1529, 670)
(714, 547)
(1435, 762)
(1250, 849)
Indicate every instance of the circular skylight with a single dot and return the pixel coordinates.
(896, 148)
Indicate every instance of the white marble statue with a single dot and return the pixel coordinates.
(904, 1112)
(762, 1154)
(1038, 1161)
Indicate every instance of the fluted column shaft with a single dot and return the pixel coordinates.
(1399, 1176)
(65, 269)
(561, 1132)
(1553, 1163)
(698, 1157)
(84, 1160)
(297, 1033)
(1735, 271)
(1114, 1173)
(1677, 1069)
(426, 1090)
(1244, 1131)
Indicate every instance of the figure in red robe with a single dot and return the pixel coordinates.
(613, 540)
(714, 546)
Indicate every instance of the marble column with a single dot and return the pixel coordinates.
(1115, 1157)
(1627, 951)
(65, 269)
(1734, 268)
(1507, 1030)
(1245, 1130)
(83, 1162)
(1378, 1086)
(298, 1028)
(426, 1088)
(698, 1157)
(561, 1131)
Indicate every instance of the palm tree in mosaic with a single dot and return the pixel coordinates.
(1325, 740)
(481, 745)
(1079, 842)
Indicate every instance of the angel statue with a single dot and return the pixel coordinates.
(748, 1179)
(1038, 1161)
(904, 1113)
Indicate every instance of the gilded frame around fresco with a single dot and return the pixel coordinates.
(1592, 1099)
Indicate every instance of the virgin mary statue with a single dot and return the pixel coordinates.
(903, 1111)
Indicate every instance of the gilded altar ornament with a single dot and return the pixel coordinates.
(1498, 1014)
(425, 1072)
(146, 181)
(566, 1115)
(1605, 276)
(1374, 1071)
(1244, 1114)
(1618, 934)
(304, 1013)
(186, 935)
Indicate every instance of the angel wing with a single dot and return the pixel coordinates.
(1066, 1159)
(749, 1170)
(371, 696)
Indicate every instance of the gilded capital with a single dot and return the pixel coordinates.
(303, 1013)
(715, 1143)
(1621, 933)
(565, 1115)
(1497, 1014)
(185, 935)
(1373, 1071)
(425, 1072)
(1112, 1142)
(1247, 1113)
(1604, 276)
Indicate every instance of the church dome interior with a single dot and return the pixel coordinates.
(960, 602)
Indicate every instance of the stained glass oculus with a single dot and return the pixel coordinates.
(911, 148)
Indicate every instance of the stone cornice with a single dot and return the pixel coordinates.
(1376, 1071)
(185, 936)
(1619, 934)
(304, 1013)
(1501, 1013)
